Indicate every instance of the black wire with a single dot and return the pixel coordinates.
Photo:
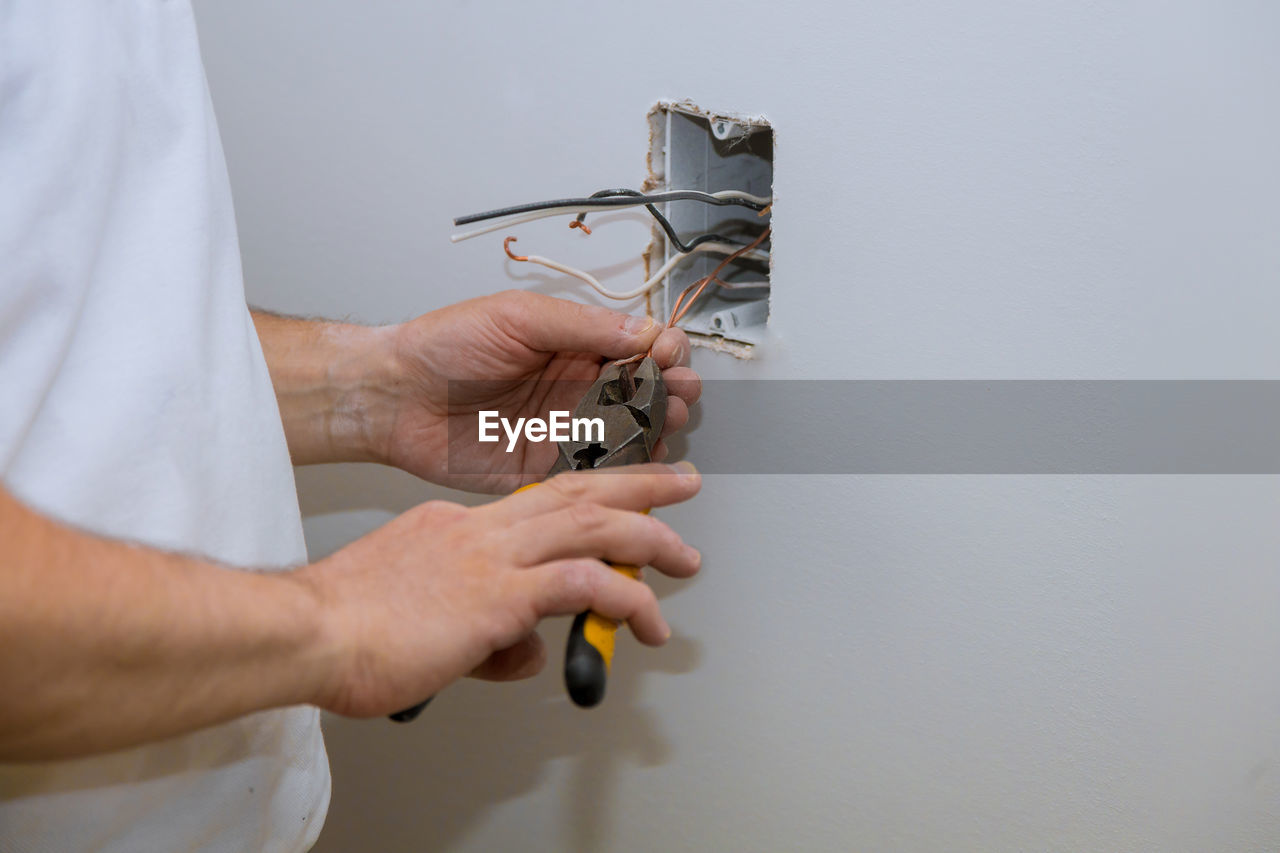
(627, 201)
(662, 220)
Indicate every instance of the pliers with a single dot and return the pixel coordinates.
(633, 409)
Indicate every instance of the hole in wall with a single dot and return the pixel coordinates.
(692, 148)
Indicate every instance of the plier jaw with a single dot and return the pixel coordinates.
(633, 409)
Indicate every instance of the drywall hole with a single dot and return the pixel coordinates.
(693, 149)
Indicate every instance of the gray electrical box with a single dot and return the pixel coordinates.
(697, 150)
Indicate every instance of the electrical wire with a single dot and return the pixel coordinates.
(652, 282)
(723, 197)
(519, 220)
(625, 198)
(590, 206)
(665, 223)
(681, 306)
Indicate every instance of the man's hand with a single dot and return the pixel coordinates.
(443, 590)
(349, 393)
(105, 645)
(534, 354)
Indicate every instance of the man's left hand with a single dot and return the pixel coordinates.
(533, 354)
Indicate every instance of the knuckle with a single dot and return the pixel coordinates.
(586, 515)
(661, 531)
(441, 511)
(513, 308)
(646, 598)
(571, 485)
(651, 486)
(515, 297)
(578, 580)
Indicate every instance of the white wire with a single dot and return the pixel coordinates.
(655, 279)
(586, 208)
(522, 219)
(745, 196)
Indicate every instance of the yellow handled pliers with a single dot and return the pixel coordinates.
(633, 408)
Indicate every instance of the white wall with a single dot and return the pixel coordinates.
(977, 190)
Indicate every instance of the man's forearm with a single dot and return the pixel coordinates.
(334, 383)
(105, 645)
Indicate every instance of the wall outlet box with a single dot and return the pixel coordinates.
(691, 148)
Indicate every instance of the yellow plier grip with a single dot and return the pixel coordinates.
(588, 654)
(632, 410)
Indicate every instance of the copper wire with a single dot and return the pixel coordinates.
(681, 306)
(506, 247)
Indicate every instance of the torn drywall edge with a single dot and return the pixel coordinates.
(737, 349)
(689, 108)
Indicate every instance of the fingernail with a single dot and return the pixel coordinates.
(685, 468)
(678, 354)
(666, 631)
(638, 325)
(695, 556)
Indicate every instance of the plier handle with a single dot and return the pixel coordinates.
(633, 409)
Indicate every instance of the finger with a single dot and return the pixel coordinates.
(672, 348)
(548, 324)
(677, 416)
(634, 487)
(615, 535)
(566, 587)
(660, 451)
(524, 659)
(682, 382)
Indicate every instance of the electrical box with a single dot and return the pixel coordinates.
(693, 149)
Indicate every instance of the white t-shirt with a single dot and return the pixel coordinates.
(135, 401)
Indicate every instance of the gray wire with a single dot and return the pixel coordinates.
(604, 203)
(681, 247)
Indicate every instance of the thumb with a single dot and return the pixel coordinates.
(548, 324)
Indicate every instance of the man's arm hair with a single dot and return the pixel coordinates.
(335, 383)
(105, 645)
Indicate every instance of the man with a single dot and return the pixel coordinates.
(153, 697)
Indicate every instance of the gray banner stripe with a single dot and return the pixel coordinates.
(985, 427)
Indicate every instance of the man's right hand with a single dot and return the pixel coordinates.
(444, 590)
(104, 644)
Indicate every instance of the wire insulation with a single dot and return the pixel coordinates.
(723, 197)
(681, 306)
(519, 220)
(653, 281)
(681, 246)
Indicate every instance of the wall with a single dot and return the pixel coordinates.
(980, 190)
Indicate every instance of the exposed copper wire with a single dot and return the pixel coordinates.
(578, 223)
(687, 297)
(506, 247)
(681, 306)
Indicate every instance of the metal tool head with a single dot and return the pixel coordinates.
(633, 409)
